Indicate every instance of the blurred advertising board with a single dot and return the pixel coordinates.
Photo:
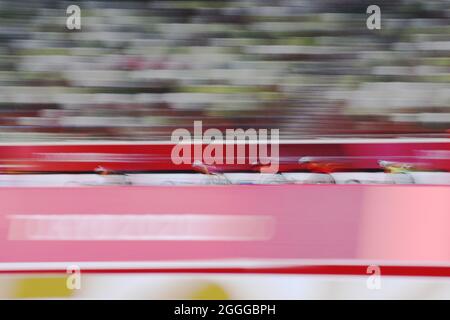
(341, 154)
(156, 227)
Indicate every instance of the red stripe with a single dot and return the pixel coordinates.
(415, 271)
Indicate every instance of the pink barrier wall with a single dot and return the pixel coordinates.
(382, 223)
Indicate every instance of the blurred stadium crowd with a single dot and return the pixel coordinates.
(139, 69)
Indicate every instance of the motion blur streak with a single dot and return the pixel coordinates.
(88, 107)
(168, 227)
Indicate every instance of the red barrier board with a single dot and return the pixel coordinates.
(351, 154)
